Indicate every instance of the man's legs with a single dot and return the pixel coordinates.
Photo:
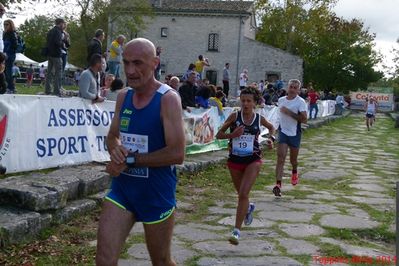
(10, 83)
(111, 67)
(50, 76)
(114, 226)
(57, 75)
(294, 158)
(316, 107)
(159, 240)
(368, 122)
(282, 150)
(226, 88)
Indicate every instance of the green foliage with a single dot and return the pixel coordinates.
(337, 53)
(34, 32)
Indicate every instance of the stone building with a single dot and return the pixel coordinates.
(223, 31)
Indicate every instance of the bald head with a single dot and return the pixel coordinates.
(140, 61)
(143, 45)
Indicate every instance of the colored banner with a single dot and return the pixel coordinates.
(385, 100)
(38, 132)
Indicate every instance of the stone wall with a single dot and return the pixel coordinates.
(187, 37)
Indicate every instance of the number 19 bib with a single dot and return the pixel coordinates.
(243, 145)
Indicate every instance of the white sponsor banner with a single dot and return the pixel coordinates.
(39, 132)
(385, 100)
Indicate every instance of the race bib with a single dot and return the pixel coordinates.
(139, 144)
(243, 145)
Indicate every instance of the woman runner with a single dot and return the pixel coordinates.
(245, 156)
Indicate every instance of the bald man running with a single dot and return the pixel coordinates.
(145, 141)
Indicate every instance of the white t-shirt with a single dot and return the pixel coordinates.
(42, 72)
(287, 123)
(371, 108)
(243, 80)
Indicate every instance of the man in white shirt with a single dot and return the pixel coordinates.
(243, 79)
(2, 11)
(293, 112)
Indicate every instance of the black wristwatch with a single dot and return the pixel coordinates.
(131, 159)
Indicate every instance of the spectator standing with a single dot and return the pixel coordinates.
(16, 73)
(54, 54)
(243, 79)
(190, 69)
(89, 83)
(2, 11)
(226, 79)
(42, 75)
(29, 76)
(339, 103)
(3, 85)
(76, 76)
(66, 43)
(187, 91)
(313, 97)
(200, 64)
(10, 46)
(174, 82)
(115, 55)
(157, 72)
(95, 44)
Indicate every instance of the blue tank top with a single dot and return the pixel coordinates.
(142, 131)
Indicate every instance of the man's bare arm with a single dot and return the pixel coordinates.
(222, 131)
(115, 148)
(268, 125)
(172, 118)
(302, 117)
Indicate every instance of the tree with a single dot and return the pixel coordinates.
(337, 53)
(34, 32)
(95, 14)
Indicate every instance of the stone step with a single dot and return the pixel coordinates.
(73, 209)
(43, 192)
(18, 225)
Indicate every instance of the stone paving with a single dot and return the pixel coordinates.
(344, 198)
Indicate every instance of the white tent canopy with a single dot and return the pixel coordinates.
(23, 60)
(68, 66)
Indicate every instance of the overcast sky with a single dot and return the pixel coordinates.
(381, 16)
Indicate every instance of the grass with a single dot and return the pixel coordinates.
(65, 244)
(68, 244)
(36, 89)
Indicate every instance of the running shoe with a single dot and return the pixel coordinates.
(277, 191)
(249, 217)
(235, 237)
(294, 179)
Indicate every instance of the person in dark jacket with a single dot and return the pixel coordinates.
(55, 44)
(187, 92)
(10, 47)
(95, 44)
(3, 85)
